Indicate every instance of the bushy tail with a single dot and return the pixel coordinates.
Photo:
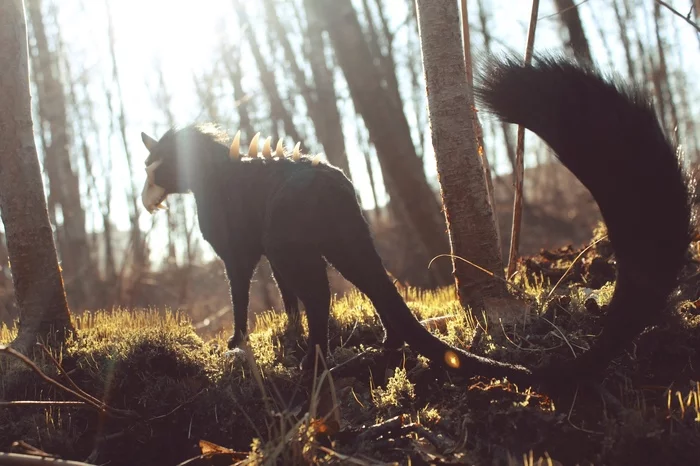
(608, 136)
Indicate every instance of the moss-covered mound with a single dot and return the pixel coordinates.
(185, 396)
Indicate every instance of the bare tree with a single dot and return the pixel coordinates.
(64, 184)
(663, 75)
(389, 132)
(278, 112)
(230, 57)
(569, 17)
(507, 138)
(320, 97)
(464, 191)
(36, 275)
(138, 244)
(625, 39)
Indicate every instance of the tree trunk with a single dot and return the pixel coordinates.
(231, 58)
(389, 131)
(464, 192)
(64, 184)
(666, 93)
(138, 243)
(568, 14)
(325, 115)
(35, 272)
(624, 38)
(278, 112)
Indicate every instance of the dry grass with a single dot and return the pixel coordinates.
(187, 391)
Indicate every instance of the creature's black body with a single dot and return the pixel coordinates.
(297, 213)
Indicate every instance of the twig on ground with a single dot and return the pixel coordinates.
(17, 459)
(80, 394)
(61, 371)
(549, 295)
(487, 272)
(10, 404)
(178, 406)
(345, 458)
(520, 347)
(566, 340)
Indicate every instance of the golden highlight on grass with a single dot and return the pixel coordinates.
(188, 389)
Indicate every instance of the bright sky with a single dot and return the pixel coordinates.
(183, 36)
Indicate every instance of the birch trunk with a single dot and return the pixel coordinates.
(35, 272)
(463, 187)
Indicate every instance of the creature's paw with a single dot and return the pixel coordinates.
(235, 354)
(236, 340)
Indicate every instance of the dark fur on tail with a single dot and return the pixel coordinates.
(608, 135)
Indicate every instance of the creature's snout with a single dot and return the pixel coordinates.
(152, 195)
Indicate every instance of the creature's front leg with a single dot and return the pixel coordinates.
(239, 274)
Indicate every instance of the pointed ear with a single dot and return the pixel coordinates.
(148, 141)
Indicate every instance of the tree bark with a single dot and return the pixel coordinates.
(36, 275)
(278, 112)
(569, 17)
(328, 121)
(64, 184)
(389, 131)
(463, 187)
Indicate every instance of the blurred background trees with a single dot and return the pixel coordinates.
(342, 77)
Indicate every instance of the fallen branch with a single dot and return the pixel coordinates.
(80, 394)
(17, 459)
(10, 404)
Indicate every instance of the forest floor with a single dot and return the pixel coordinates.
(175, 398)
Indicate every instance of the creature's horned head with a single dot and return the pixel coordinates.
(170, 164)
(155, 187)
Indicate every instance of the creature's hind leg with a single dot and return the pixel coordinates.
(359, 262)
(290, 301)
(303, 270)
(239, 273)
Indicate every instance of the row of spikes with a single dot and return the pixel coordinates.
(234, 151)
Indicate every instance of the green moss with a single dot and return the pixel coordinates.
(186, 389)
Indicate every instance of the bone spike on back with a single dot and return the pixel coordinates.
(234, 151)
(316, 160)
(253, 149)
(296, 154)
(279, 150)
(267, 150)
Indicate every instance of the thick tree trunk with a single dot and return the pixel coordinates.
(389, 131)
(464, 191)
(35, 272)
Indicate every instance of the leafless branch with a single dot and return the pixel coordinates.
(80, 394)
(519, 163)
(679, 14)
(16, 459)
